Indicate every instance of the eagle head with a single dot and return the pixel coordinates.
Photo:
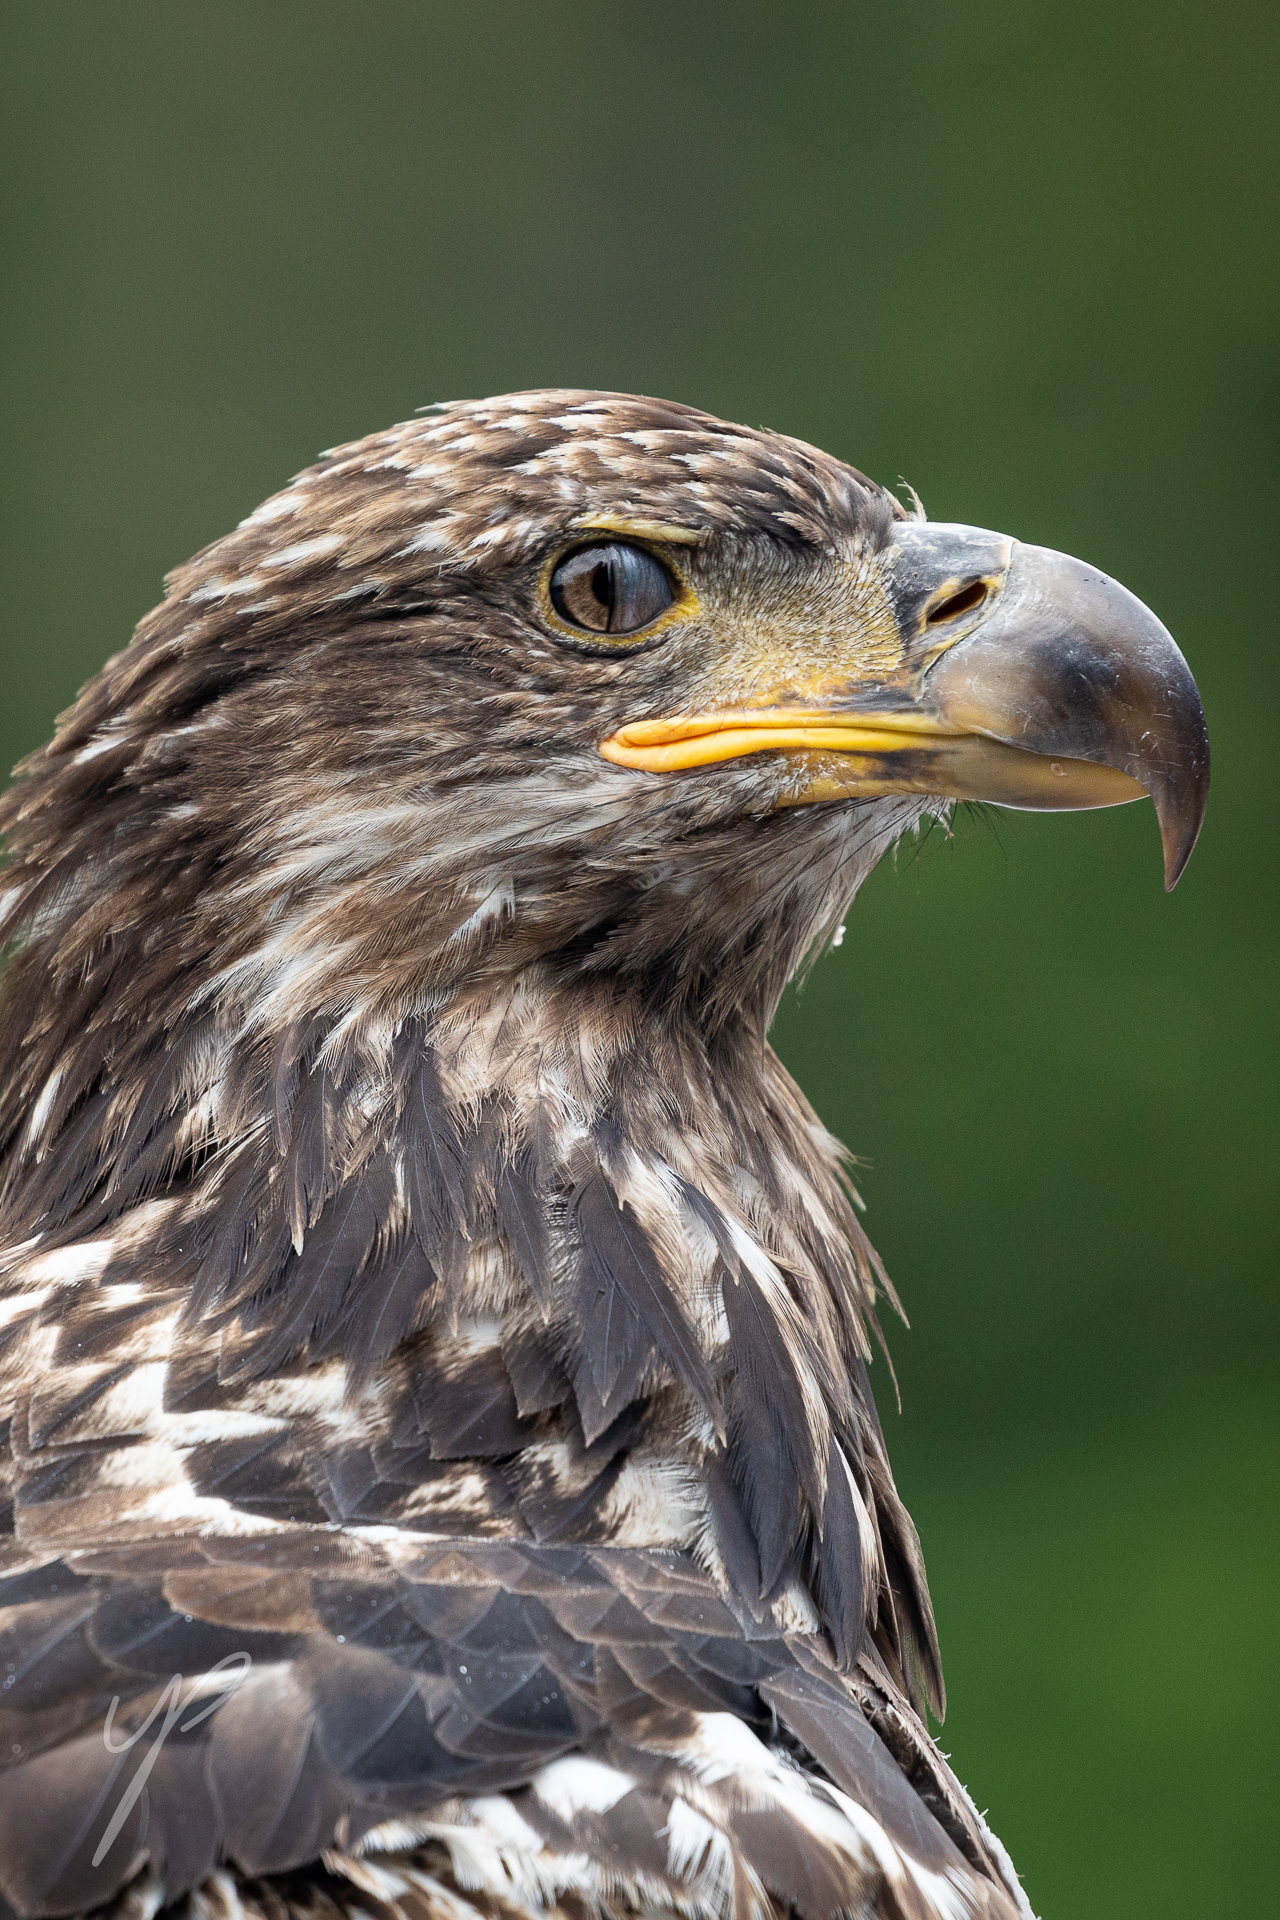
(577, 678)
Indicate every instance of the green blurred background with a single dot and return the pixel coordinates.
(1026, 256)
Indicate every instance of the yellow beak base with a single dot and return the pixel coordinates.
(849, 756)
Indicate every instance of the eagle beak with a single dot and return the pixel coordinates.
(1027, 679)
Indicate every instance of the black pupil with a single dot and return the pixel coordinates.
(610, 589)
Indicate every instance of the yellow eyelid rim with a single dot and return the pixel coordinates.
(629, 528)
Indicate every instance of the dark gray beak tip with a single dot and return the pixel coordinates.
(1160, 730)
(1180, 802)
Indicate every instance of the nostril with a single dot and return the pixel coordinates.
(957, 603)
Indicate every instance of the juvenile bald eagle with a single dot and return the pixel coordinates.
(444, 1476)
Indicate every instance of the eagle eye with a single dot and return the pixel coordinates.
(611, 589)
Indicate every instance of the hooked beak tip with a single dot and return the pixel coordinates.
(1071, 663)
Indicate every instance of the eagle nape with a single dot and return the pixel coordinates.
(441, 1473)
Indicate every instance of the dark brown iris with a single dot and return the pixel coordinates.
(610, 589)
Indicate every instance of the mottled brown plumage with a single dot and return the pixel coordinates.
(420, 1278)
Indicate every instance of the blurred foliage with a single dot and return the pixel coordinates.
(1024, 255)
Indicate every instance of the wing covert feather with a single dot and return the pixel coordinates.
(414, 1687)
